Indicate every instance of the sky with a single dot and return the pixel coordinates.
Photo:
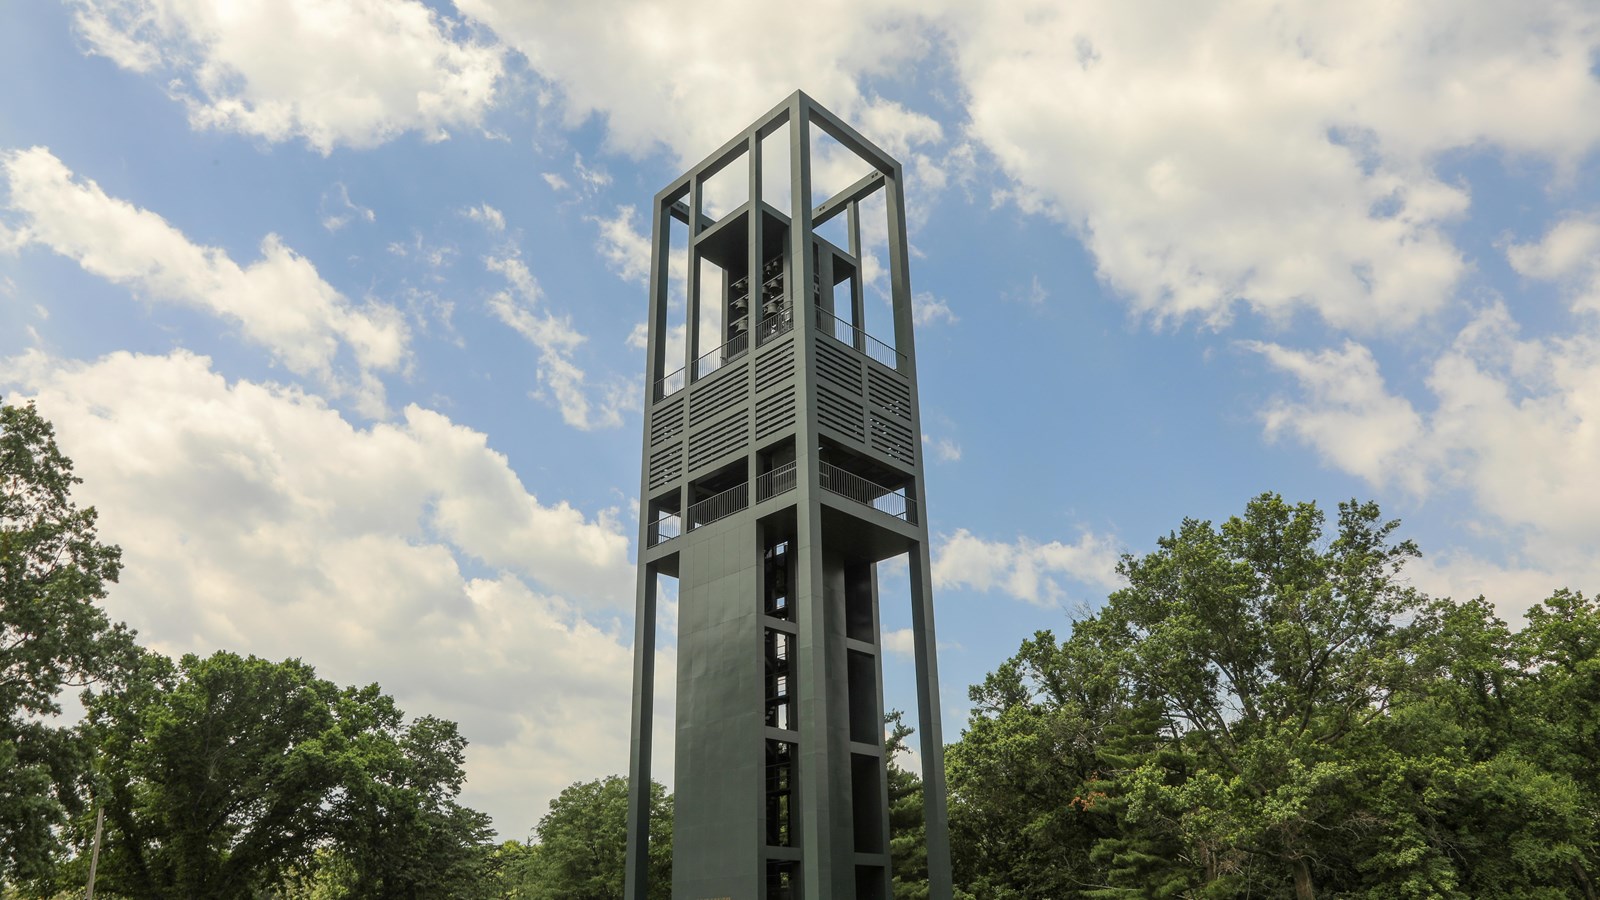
(336, 306)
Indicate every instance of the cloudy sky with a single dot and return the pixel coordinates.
(334, 303)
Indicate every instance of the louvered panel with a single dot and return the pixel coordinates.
(774, 413)
(666, 464)
(775, 367)
(725, 436)
(890, 392)
(892, 439)
(666, 422)
(728, 389)
(839, 367)
(842, 414)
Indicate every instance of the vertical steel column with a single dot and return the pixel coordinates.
(636, 872)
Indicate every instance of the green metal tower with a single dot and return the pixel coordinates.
(781, 463)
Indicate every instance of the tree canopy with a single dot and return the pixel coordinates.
(53, 635)
(1268, 708)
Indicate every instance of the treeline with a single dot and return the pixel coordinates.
(1267, 709)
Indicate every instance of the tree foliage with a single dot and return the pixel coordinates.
(1269, 709)
(53, 635)
(224, 774)
(581, 844)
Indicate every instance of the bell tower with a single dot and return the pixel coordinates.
(781, 464)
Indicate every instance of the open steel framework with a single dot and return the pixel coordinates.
(782, 462)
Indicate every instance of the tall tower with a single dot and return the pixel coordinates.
(781, 464)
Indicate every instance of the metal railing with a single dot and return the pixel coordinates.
(771, 484)
(721, 356)
(859, 340)
(663, 529)
(718, 506)
(853, 487)
(670, 384)
(775, 325)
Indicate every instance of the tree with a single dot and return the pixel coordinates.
(908, 849)
(398, 826)
(1268, 649)
(1023, 817)
(582, 842)
(53, 635)
(224, 774)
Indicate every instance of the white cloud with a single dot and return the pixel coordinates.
(927, 309)
(945, 449)
(1348, 415)
(1027, 570)
(487, 216)
(1213, 156)
(624, 247)
(626, 63)
(559, 377)
(1569, 255)
(279, 301)
(338, 210)
(332, 72)
(1514, 423)
(255, 518)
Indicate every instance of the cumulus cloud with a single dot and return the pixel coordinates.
(254, 518)
(1213, 156)
(627, 65)
(278, 301)
(1513, 422)
(1348, 414)
(1025, 569)
(331, 72)
(521, 308)
(1569, 256)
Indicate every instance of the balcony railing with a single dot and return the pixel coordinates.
(775, 325)
(716, 359)
(669, 385)
(663, 529)
(851, 486)
(851, 336)
(718, 506)
(771, 484)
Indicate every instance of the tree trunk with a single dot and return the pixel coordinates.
(1302, 880)
(1583, 879)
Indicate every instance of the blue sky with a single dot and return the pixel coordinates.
(334, 303)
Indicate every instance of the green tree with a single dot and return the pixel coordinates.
(582, 842)
(225, 774)
(53, 635)
(398, 825)
(1268, 648)
(1023, 816)
(908, 849)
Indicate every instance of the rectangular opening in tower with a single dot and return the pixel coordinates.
(866, 723)
(779, 679)
(781, 831)
(783, 879)
(870, 883)
(866, 795)
(726, 189)
(777, 557)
